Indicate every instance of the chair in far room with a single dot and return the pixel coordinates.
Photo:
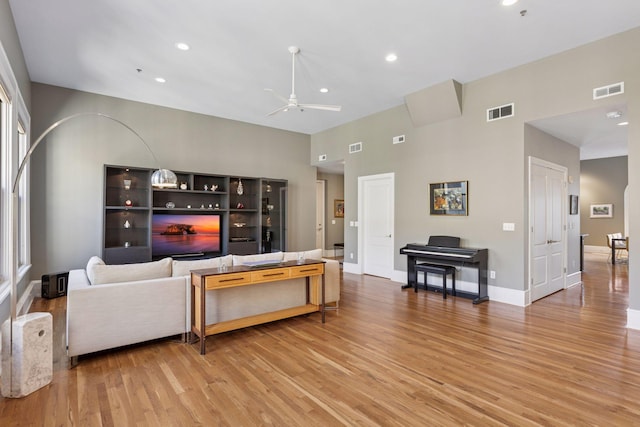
(618, 246)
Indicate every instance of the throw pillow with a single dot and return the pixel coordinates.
(183, 268)
(272, 256)
(312, 254)
(93, 261)
(99, 274)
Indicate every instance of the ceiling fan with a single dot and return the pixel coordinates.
(292, 102)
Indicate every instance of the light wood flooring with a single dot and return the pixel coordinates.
(387, 357)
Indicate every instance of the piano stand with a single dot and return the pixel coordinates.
(429, 256)
(443, 270)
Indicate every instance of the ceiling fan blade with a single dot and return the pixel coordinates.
(277, 95)
(283, 108)
(292, 102)
(321, 107)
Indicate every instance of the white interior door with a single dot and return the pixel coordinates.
(547, 206)
(320, 214)
(376, 212)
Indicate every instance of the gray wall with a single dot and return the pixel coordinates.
(67, 171)
(491, 156)
(334, 189)
(602, 181)
(11, 45)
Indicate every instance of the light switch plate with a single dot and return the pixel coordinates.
(508, 226)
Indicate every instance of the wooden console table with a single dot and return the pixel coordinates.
(216, 278)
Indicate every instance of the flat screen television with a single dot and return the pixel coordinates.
(185, 234)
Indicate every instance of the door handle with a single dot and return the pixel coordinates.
(552, 241)
(388, 235)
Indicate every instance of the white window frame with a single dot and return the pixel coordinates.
(13, 111)
(24, 219)
(5, 190)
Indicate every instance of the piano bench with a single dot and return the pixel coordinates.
(443, 270)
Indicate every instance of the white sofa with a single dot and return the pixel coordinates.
(110, 306)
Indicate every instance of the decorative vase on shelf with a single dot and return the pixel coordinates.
(127, 224)
(183, 186)
(240, 188)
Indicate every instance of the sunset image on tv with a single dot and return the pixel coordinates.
(178, 234)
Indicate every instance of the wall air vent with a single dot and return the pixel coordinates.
(501, 112)
(610, 90)
(355, 148)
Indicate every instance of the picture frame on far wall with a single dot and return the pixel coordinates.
(573, 204)
(448, 198)
(601, 211)
(338, 208)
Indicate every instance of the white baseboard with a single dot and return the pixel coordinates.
(349, 267)
(508, 296)
(633, 319)
(574, 279)
(597, 249)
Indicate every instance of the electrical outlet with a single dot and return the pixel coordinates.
(492, 274)
(398, 139)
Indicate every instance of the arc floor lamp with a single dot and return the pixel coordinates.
(26, 340)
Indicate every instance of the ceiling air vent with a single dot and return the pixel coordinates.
(355, 148)
(610, 90)
(500, 112)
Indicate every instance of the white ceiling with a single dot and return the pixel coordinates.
(240, 47)
(597, 135)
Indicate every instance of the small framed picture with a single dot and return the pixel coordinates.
(573, 204)
(338, 208)
(448, 198)
(602, 211)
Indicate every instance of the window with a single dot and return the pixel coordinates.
(14, 145)
(4, 178)
(23, 255)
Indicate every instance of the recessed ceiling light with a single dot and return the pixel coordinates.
(324, 90)
(509, 2)
(392, 57)
(182, 46)
(623, 123)
(160, 80)
(614, 114)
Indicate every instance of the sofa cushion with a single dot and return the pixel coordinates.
(183, 268)
(99, 273)
(241, 259)
(312, 254)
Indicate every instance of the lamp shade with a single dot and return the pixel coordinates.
(164, 178)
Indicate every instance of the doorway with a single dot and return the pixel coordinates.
(376, 224)
(320, 213)
(548, 234)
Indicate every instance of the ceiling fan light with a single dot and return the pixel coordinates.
(164, 178)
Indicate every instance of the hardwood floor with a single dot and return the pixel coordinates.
(387, 357)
